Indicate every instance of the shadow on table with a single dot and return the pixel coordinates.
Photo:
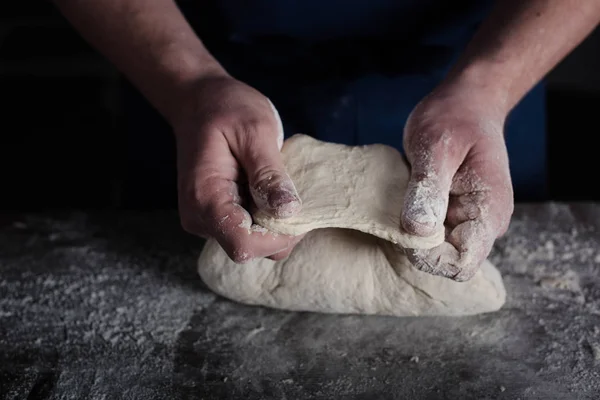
(154, 236)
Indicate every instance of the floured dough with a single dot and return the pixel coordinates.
(349, 272)
(355, 187)
(360, 270)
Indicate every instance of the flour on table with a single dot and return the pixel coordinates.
(351, 259)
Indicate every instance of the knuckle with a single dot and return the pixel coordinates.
(253, 128)
(266, 177)
(210, 129)
(250, 135)
(216, 123)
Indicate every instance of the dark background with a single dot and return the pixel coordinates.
(64, 141)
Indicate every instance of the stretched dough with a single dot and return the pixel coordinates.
(354, 187)
(360, 270)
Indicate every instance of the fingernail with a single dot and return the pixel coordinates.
(420, 221)
(284, 203)
(280, 197)
(424, 216)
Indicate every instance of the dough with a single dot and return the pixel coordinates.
(351, 259)
(348, 272)
(355, 187)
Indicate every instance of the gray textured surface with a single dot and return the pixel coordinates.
(109, 306)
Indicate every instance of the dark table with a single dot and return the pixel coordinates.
(109, 306)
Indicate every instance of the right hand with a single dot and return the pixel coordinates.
(229, 138)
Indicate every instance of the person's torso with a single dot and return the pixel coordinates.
(350, 71)
(317, 20)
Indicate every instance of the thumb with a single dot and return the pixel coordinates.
(428, 191)
(271, 188)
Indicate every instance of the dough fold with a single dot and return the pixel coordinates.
(351, 259)
(354, 187)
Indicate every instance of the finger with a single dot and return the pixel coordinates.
(210, 205)
(468, 243)
(460, 256)
(232, 227)
(496, 209)
(441, 260)
(482, 187)
(286, 253)
(257, 147)
(466, 207)
(473, 240)
(470, 235)
(476, 220)
(281, 255)
(434, 160)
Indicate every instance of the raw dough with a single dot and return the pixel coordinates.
(355, 187)
(349, 261)
(348, 272)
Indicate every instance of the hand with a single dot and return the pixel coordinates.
(229, 138)
(460, 178)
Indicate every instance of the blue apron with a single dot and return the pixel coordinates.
(351, 71)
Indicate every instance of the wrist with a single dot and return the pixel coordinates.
(484, 82)
(183, 75)
(463, 102)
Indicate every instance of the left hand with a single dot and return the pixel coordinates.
(460, 178)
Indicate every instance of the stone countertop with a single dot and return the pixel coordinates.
(98, 305)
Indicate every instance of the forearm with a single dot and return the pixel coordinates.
(149, 41)
(520, 42)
